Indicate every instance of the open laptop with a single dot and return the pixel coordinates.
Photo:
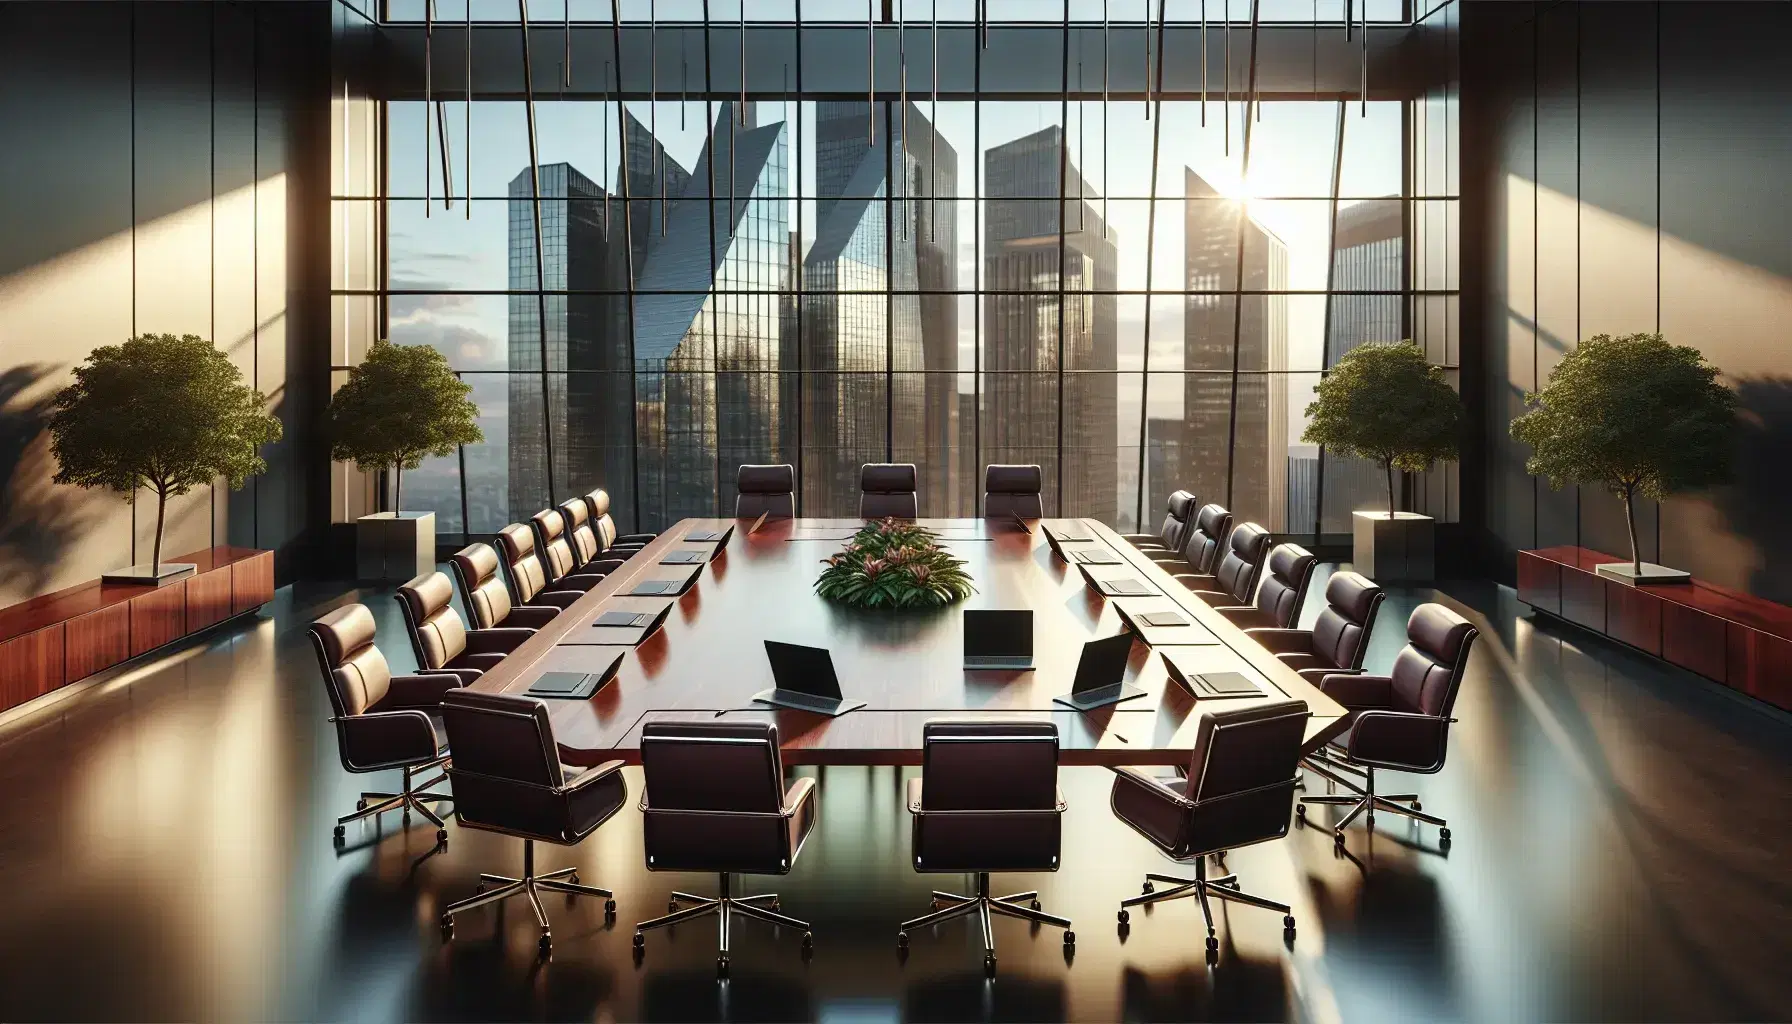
(805, 680)
(1057, 542)
(1100, 673)
(1127, 587)
(575, 685)
(1211, 685)
(998, 639)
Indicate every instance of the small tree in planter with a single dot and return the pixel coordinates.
(164, 412)
(400, 406)
(1385, 403)
(1634, 414)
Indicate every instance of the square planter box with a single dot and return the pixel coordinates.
(1401, 548)
(395, 546)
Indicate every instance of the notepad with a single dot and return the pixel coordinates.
(563, 684)
(685, 557)
(1125, 588)
(657, 588)
(1162, 619)
(623, 619)
(1226, 684)
(1097, 557)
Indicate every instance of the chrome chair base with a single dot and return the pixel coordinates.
(1201, 887)
(372, 805)
(564, 880)
(982, 904)
(1363, 800)
(724, 907)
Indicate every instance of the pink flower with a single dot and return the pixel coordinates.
(873, 566)
(920, 573)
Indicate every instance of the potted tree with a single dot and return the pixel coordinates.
(401, 405)
(160, 412)
(1637, 416)
(1384, 402)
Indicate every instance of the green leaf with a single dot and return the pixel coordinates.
(402, 404)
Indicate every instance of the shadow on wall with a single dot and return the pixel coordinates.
(1758, 496)
(39, 521)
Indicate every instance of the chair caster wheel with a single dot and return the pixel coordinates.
(1125, 917)
(1300, 811)
(989, 965)
(479, 890)
(1213, 956)
(1147, 889)
(1035, 904)
(546, 946)
(640, 940)
(1417, 806)
(671, 906)
(609, 908)
(442, 836)
(808, 941)
(360, 805)
(573, 878)
(901, 940)
(775, 905)
(1069, 938)
(1443, 834)
(722, 966)
(447, 928)
(407, 819)
(339, 833)
(1212, 943)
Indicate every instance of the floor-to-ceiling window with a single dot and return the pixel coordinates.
(1040, 233)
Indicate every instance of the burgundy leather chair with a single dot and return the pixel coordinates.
(564, 571)
(987, 800)
(508, 779)
(887, 490)
(486, 598)
(439, 636)
(611, 543)
(1201, 545)
(1399, 721)
(1169, 537)
(1012, 491)
(715, 800)
(1339, 637)
(1281, 594)
(382, 720)
(1241, 778)
(767, 490)
(529, 581)
(1234, 580)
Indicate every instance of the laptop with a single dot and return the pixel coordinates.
(1211, 685)
(716, 536)
(805, 680)
(1099, 675)
(998, 639)
(659, 588)
(1133, 621)
(647, 622)
(1093, 555)
(1057, 543)
(574, 685)
(686, 556)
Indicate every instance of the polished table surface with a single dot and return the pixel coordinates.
(709, 659)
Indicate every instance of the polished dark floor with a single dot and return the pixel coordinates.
(1621, 847)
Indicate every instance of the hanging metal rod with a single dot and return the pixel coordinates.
(870, 77)
(541, 301)
(1106, 182)
(468, 205)
(429, 36)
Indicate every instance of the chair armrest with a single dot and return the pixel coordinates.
(1398, 739)
(555, 598)
(1164, 556)
(635, 538)
(600, 566)
(579, 581)
(532, 617)
(592, 775)
(1358, 691)
(1282, 641)
(1151, 784)
(1149, 807)
(497, 640)
(800, 792)
(384, 738)
(915, 805)
(423, 691)
(465, 675)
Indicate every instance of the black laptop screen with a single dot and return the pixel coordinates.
(803, 669)
(1103, 663)
(998, 634)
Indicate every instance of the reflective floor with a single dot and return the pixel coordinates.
(1620, 829)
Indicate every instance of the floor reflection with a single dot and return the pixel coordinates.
(1619, 829)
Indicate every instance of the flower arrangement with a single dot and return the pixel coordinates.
(893, 563)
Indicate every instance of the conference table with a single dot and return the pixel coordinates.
(708, 658)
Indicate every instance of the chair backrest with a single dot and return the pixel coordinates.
(502, 736)
(603, 525)
(482, 589)
(1202, 547)
(527, 575)
(550, 536)
(887, 489)
(1012, 491)
(1242, 775)
(989, 766)
(575, 513)
(1245, 554)
(1177, 512)
(437, 632)
(712, 766)
(355, 672)
(1428, 670)
(1341, 634)
(1284, 588)
(765, 490)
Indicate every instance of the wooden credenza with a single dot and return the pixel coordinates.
(1742, 641)
(61, 638)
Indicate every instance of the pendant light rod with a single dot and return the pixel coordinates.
(1107, 184)
(933, 131)
(870, 77)
(429, 35)
(541, 300)
(441, 113)
(1148, 60)
(1203, 63)
(468, 206)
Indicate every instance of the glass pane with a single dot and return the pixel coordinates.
(1368, 255)
(844, 427)
(446, 250)
(475, 332)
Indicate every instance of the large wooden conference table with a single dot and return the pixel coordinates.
(708, 659)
